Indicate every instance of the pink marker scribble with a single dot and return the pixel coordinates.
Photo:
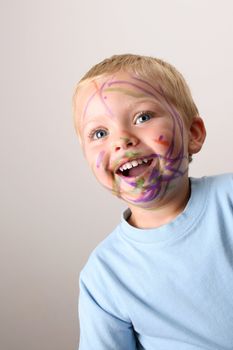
(161, 141)
(98, 91)
(100, 158)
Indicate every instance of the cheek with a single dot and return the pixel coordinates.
(99, 165)
(99, 159)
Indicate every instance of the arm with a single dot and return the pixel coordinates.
(99, 329)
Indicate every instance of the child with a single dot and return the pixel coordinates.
(163, 279)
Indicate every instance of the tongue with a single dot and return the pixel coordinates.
(138, 170)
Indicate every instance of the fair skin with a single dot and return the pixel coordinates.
(137, 144)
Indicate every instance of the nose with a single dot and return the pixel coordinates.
(124, 142)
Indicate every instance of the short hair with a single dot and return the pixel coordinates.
(152, 69)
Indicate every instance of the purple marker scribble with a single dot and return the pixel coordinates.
(130, 182)
(100, 158)
(102, 99)
(154, 174)
(150, 194)
(159, 92)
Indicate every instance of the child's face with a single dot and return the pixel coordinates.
(135, 141)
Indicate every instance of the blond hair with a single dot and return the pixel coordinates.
(152, 69)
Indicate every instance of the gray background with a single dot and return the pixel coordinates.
(53, 212)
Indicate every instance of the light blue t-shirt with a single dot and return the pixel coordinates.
(169, 288)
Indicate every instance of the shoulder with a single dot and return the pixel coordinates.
(222, 183)
(218, 191)
(213, 194)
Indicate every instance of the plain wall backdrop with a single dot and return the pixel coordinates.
(52, 211)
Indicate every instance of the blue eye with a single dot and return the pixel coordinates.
(142, 118)
(99, 134)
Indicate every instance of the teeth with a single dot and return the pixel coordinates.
(127, 165)
(132, 164)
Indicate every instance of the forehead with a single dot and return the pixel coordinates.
(98, 90)
(126, 83)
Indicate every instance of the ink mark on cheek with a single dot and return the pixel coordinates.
(100, 158)
(161, 141)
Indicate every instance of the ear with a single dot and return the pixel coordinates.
(197, 135)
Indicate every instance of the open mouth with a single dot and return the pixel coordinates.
(134, 167)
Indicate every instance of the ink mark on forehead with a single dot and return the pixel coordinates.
(96, 85)
(126, 82)
(126, 92)
(98, 91)
(87, 105)
(158, 90)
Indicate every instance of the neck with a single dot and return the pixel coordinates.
(164, 212)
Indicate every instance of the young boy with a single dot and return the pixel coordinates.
(163, 279)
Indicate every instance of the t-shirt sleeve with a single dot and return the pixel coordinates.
(99, 328)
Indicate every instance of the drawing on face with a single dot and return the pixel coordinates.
(161, 141)
(98, 92)
(140, 182)
(175, 161)
(126, 92)
(100, 158)
(131, 154)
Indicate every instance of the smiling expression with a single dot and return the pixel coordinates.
(134, 139)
